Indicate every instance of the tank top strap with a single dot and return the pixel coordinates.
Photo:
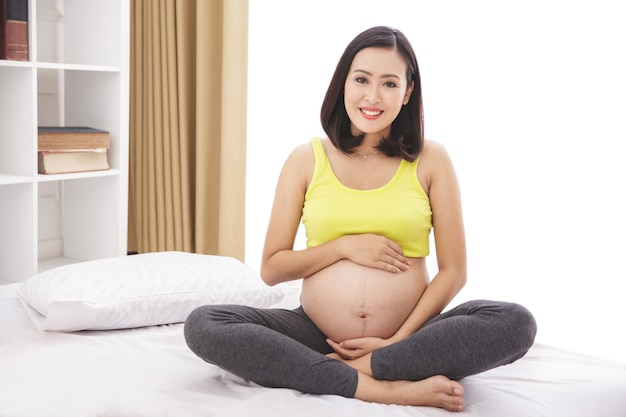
(318, 150)
(321, 159)
(408, 170)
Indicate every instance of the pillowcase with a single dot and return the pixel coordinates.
(140, 290)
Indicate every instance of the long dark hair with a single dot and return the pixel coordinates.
(407, 130)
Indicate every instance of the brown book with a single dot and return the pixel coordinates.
(54, 138)
(14, 30)
(64, 162)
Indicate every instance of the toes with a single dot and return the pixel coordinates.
(456, 388)
(455, 404)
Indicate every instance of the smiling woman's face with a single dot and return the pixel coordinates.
(375, 90)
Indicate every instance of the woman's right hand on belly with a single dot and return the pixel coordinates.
(374, 251)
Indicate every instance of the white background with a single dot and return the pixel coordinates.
(529, 98)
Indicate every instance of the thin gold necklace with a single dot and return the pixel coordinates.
(365, 155)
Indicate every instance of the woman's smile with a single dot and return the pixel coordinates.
(370, 114)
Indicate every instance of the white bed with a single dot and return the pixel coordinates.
(149, 371)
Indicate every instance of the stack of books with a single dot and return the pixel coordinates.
(63, 150)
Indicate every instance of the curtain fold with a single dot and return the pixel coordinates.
(188, 126)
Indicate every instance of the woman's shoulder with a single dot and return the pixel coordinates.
(301, 159)
(434, 163)
(305, 152)
(302, 152)
(433, 152)
(432, 147)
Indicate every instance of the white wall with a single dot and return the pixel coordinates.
(530, 100)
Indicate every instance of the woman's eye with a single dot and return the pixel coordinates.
(390, 84)
(361, 80)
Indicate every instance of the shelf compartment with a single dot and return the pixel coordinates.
(16, 121)
(17, 260)
(78, 210)
(81, 98)
(64, 27)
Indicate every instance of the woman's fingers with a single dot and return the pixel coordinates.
(397, 261)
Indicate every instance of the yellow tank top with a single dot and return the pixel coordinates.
(399, 210)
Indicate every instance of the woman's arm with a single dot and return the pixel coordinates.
(445, 199)
(279, 261)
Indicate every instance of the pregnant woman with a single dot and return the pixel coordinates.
(370, 324)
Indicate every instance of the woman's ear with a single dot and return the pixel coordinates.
(408, 93)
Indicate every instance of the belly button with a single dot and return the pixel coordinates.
(362, 315)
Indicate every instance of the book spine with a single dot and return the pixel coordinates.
(14, 30)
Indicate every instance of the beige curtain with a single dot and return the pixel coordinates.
(187, 152)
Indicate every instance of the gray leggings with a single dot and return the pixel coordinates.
(283, 348)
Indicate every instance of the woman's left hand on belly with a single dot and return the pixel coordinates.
(355, 348)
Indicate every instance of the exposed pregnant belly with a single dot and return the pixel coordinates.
(347, 300)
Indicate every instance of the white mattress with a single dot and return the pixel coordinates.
(150, 372)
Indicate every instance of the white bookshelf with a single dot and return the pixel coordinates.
(77, 75)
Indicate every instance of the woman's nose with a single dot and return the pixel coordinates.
(373, 95)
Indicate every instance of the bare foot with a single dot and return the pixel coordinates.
(436, 391)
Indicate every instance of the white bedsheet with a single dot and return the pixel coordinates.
(150, 372)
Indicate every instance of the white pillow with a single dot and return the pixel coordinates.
(140, 290)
